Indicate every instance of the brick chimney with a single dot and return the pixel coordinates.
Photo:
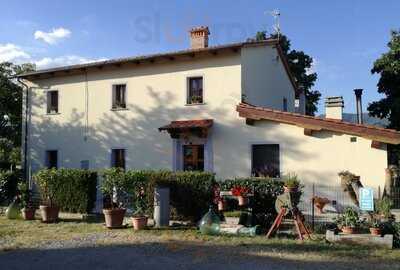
(199, 37)
(334, 107)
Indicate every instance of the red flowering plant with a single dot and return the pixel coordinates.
(240, 191)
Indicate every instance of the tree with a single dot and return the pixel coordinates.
(300, 65)
(11, 108)
(388, 67)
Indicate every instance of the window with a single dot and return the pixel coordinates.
(265, 160)
(195, 90)
(52, 102)
(119, 96)
(193, 157)
(285, 109)
(118, 158)
(52, 159)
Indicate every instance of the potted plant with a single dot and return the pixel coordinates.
(139, 219)
(113, 187)
(383, 209)
(375, 227)
(28, 210)
(291, 184)
(349, 221)
(320, 203)
(241, 194)
(46, 182)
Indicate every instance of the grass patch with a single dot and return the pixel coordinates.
(19, 234)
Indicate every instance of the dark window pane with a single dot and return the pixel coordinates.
(265, 160)
(195, 93)
(285, 108)
(52, 159)
(193, 157)
(119, 93)
(52, 102)
(118, 158)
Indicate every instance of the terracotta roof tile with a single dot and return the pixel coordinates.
(188, 124)
(371, 132)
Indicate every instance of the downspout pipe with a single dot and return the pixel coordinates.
(26, 129)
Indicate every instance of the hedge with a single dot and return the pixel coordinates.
(190, 192)
(265, 192)
(8, 185)
(73, 190)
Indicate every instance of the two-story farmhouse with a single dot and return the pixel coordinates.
(232, 109)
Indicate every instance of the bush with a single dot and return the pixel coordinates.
(265, 192)
(190, 192)
(8, 185)
(73, 190)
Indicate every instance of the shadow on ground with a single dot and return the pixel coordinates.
(177, 255)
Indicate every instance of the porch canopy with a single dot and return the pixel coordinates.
(185, 127)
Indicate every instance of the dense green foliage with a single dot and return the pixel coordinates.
(73, 190)
(9, 185)
(300, 65)
(190, 192)
(265, 192)
(11, 110)
(388, 67)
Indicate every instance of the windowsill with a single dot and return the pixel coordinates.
(55, 113)
(119, 109)
(195, 104)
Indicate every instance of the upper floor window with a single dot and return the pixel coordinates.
(119, 96)
(195, 90)
(52, 159)
(52, 101)
(284, 105)
(118, 158)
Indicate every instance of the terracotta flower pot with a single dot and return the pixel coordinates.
(348, 230)
(289, 189)
(139, 223)
(242, 200)
(28, 213)
(222, 205)
(114, 217)
(49, 213)
(375, 231)
(320, 206)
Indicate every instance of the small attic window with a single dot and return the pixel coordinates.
(353, 139)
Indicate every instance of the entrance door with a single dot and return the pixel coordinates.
(193, 157)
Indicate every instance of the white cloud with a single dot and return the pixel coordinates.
(48, 62)
(54, 36)
(13, 53)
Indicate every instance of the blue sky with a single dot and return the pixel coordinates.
(344, 37)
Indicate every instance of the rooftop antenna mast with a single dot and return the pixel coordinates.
(277, 28)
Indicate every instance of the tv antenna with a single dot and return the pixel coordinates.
(277, 28)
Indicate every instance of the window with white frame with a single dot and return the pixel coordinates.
(52, 101)
(119, 96)
(195, 90)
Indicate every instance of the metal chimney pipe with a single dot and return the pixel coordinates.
(358, 93)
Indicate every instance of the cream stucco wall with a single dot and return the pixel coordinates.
(87, 129)
(265, 82)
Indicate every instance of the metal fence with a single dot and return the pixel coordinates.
(395, 196)
(338, 200)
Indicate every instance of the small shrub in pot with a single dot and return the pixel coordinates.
(28, 210)
(113, 186)
(47, 188)
(375, 227)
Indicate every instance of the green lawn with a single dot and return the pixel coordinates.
(19, 234)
